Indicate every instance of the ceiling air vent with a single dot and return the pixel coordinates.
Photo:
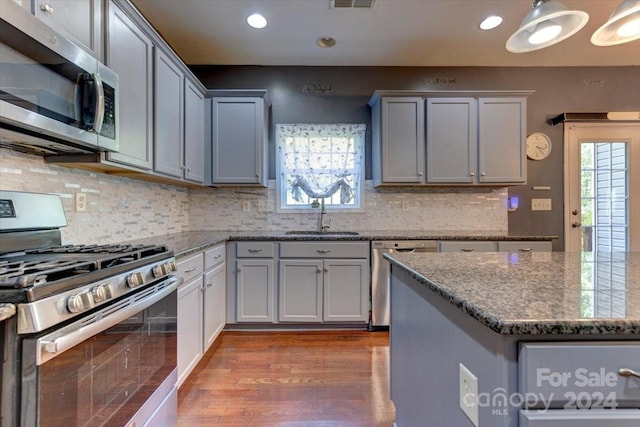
(352, 4)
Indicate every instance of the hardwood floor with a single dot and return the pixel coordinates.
(337, 378)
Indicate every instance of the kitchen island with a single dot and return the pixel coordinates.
(543, 331)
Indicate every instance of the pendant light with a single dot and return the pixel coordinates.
(548, 23)
(623, 25)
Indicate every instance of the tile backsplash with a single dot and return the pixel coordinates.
(385, 209)
(120, 209)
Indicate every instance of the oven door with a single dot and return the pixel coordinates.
(114, 367)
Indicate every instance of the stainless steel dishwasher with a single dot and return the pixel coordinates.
(380, 275)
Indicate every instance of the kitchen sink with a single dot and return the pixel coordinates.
(322, 233)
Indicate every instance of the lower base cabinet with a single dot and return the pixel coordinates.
(581, 418)
(189, 327)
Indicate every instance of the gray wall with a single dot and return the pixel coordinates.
(340, 94)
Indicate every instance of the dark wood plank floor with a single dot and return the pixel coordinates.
(335, 379)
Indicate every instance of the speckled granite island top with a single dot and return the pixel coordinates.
(536, 293)
(188, 242)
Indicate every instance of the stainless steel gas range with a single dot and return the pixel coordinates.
(93, 342)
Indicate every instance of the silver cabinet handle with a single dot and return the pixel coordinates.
(318, 271)
(624, 372)
(238, 270)
(255, 251)
(326, 269)
(323, 251)
(189, 270)
(483, 174)
(524, 249)
(217, 256)
(467, 249)
(472, 174)
(419, 173)
(46, 8)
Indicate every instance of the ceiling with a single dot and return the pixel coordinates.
(393, 33)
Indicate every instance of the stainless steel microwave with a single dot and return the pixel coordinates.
(54, 96)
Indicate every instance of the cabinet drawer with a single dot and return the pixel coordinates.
(214, 256)
(524, 246)
(587, 370)
(467, 246)
(578, 418)
(317, 249)
(191, 267)
(255, 249)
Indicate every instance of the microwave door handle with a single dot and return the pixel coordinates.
(97, 122)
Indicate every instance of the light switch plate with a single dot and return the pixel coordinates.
(246, 206)
(540, 204)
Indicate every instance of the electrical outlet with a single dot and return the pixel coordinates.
(246, 206)
(468, 394)
(405, 206)
(262, 206)
(540, 204)
(174, 205)
(81, 202)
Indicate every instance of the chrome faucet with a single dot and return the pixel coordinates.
(325, 222)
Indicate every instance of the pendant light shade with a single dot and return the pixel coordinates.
(623, 25)
(548, 23)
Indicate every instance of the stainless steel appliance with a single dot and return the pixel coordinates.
(93, 342)
(54, 96)
(380, 275)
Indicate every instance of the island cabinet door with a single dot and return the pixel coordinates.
(581, 418)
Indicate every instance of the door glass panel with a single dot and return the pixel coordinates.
(603, 288)
(604, 196)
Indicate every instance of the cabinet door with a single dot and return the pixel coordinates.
(237, 127)
(300, 291)
(81, 19)
(452, 140)
(501, 140)
(524, 246)
(193, 133)
(402, 140)
(130, 54)
(189, 327)
(214, 305)
(169, 117)
(254, 290)
(346, 290)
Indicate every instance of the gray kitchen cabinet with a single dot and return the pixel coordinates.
(194, 138)
(190, 308)
(169, 116)
(214, 295)
(580, 418)
(129, 52)
(80, 19)
(300, 285)
(254, 290)
(239, 137)
(452, 139)
(323, 282)
(470, 246)
(492, 246)
(476, 141)
(502, 133)
(398, 140)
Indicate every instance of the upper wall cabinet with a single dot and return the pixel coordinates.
(134, 66)
(81, 19)
(239, 137)
(449, 138)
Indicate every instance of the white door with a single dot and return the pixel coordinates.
(602, 187)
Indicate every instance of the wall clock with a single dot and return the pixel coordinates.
(538, 146)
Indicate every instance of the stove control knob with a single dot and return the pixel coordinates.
(75, 303)
(171, 266)
(159, 270)
(101, 293)
(136, 279)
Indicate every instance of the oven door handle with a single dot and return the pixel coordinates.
(56, 343)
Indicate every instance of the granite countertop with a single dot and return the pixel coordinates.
(536, 293)
(7, 311)
(189, 242)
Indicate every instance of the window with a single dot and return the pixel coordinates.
(320, 162)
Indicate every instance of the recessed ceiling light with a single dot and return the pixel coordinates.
(257, 21)
(491, 22)
(326, 42)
